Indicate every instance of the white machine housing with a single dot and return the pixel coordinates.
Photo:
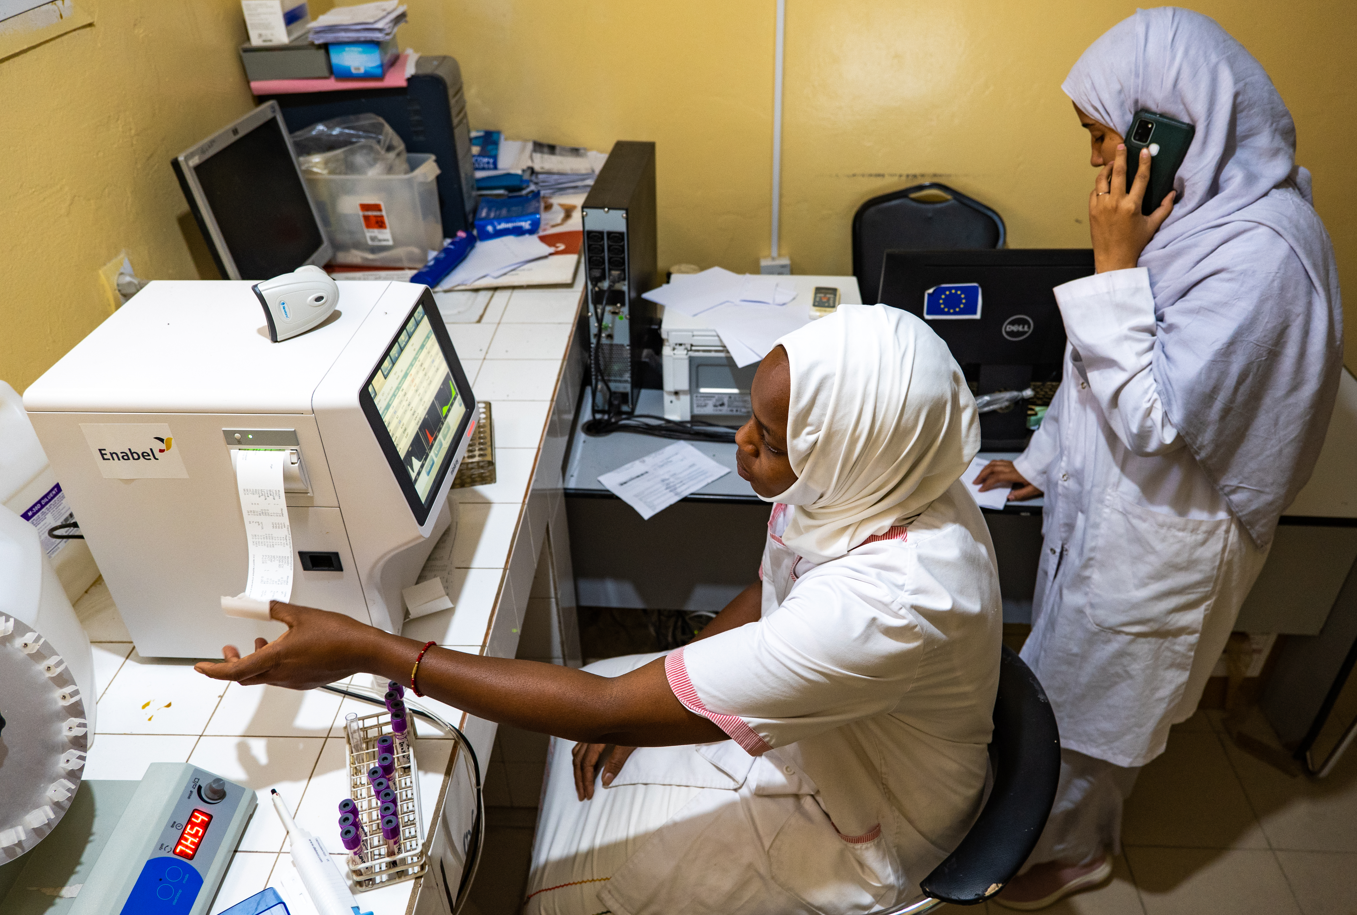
(197, 357)
(701, 381)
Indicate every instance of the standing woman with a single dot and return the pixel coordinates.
(1201, 374)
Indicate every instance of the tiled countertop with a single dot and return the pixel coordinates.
(152, 710)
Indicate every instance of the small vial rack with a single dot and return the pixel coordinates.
(411, 860)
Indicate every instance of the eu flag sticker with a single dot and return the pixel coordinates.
(954, 300)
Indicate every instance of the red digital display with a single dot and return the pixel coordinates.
(193, 833)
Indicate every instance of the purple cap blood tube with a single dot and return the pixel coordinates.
(348, 806)
(352, 840)
(387, 763)
(391, 832)
(351, 819)
(387, 810)
(375, 773)
(386, 797)
(393, 700)
(385, 743)
(396, 688)
(380, 784)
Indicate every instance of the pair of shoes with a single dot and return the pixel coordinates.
(1048, 883)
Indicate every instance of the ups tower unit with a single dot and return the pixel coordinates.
(619, 241)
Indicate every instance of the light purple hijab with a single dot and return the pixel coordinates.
(1249, 338)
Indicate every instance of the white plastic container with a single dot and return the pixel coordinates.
(29, 488)
(381, 220)
(47, 670)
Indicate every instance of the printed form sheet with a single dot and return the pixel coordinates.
(658, 480)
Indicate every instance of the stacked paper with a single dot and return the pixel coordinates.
(495, 258)
(749, 312)
(365, 22)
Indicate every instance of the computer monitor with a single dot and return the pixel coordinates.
(246, 191)
(996, 310)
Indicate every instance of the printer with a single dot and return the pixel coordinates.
(144, 419)
(701, 380)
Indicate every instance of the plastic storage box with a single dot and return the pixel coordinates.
(381, 220)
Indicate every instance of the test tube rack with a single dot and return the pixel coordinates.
(412, 859)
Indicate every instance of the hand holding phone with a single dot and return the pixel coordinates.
(1168, 141)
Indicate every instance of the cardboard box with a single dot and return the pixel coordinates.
(275, 21)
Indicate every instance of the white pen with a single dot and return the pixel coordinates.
(324, 884)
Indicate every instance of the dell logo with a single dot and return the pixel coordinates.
(1018, 327)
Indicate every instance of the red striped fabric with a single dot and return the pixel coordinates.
(734, 726)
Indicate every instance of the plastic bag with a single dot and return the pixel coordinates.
(356, 145)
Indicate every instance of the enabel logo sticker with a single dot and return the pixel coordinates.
(1018, 327)
(134, 451)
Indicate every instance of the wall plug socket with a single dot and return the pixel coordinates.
(120, 281)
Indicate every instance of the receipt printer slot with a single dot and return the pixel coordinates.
(294, 468)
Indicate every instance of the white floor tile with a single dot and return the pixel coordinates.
(471, 340)
(1193, 881)
(1298, 814)
(99, 615)
(517, 379)
(519, 423)
(151, 696)
(513, 473)
(473, 600)
(485, 533)
(271, 711)
(1189, 797)
(1321, 880)
(126, 756)
(262, 763)
(495, 310)
(108, 658)
(247, 875)
(529, 341)
(542, 306)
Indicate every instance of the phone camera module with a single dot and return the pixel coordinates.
(1144, 128)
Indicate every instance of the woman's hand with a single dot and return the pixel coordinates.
(1120, 232)
(1003, 473)
(319, 647)
(587, 755)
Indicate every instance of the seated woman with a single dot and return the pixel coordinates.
(822, 746)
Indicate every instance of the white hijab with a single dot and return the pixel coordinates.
(1249, 341)
(880, 423)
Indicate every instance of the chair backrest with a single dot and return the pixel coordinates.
(1025, 757)
(921, 217)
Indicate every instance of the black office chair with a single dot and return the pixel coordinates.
(921, 217)
(1025, 759)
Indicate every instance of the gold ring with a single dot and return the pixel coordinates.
(1101, 193)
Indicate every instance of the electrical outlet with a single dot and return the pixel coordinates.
(120, 281)
(780, 266)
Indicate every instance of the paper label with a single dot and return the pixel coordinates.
(268, 535)
(375, 226)
(660, 479)
(721, 404)
(134, 451)
(47, 513)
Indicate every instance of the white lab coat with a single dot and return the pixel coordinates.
(859, 709)
(1143, 568)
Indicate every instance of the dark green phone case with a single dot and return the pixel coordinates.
(1173, 137)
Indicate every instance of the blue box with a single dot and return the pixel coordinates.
(517, 215)
(363, 59)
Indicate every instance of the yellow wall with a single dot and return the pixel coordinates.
(879, 94)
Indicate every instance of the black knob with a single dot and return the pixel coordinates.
(215, 791)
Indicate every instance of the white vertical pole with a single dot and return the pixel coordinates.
(777, 120)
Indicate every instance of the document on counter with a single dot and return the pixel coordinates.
(658, 480)
(495, 258)
(995, 499)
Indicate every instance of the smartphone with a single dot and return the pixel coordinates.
(1168, 141)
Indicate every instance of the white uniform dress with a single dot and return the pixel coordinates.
(1143, 568)
(859, 709)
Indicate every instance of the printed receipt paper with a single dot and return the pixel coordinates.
(268, 535)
